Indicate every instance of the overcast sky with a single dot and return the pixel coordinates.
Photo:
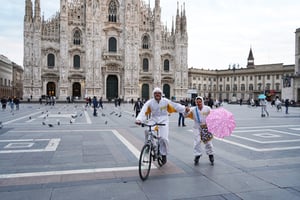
(220, 32)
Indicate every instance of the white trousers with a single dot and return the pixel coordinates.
(197, 144)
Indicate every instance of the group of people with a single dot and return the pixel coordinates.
(11, 102)
(160, 108)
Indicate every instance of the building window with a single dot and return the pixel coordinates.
(227, 87)
(145, 65)
(221, 87)
(50, 60)
(268, 86)
(259, 77)
(145, 42)
(199, 87)
(277, 86)
(166, 65)
(76, 61)
(77, 38)
(259, 87)
(251, 78)
(112, 44)
(235, 87)
(243, 87)
(268, 77)
(112, 11)
(204, 87)
(251, 87)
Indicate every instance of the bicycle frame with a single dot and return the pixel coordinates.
(150, 151)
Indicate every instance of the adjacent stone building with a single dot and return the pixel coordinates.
(104, 48)
(11, 78)
(235, 83)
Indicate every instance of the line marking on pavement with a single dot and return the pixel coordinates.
(259, 127)
(256, 149)
(87, 117)
(66, 172)
(132, 148)
(26, 116)
(296, 129)
(51, 146)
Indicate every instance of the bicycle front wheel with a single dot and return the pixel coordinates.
(145, 162)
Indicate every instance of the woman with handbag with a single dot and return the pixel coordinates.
(199, 114)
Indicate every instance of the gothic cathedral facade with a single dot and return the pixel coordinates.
(104, 48)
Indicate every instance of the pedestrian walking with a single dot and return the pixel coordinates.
(199, 113)
(95, 104)
(181, 115)
(263, 104)
(286, 104)
(137, 107)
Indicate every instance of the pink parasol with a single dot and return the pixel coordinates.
(220, 122)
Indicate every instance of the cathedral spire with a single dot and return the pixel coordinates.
(28, 10)
(37, 10)
(183, 20)
(157, 3)
(177, 29)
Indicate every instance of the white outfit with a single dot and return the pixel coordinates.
(160, 114)
(199, 121)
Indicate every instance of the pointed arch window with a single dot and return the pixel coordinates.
(145, 42)
(145, 65)
(112, 44)
(77, 38)
(112, 11)
(166, 65)
(50, 60)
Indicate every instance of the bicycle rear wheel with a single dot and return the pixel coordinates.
(145, 162)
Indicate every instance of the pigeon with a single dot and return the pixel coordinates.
(73, 116)
(45, 117)
(29, 117)
(112, 112)
(50, 125)
(58, 112)
(58, 122)
(1, 125)
(43, 112)
(103, 115)
(105, 122)
(120, 115)
(71, 122)
(80, 115)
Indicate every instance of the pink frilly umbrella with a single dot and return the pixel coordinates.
(220, 122)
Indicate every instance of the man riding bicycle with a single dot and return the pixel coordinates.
(159, 108)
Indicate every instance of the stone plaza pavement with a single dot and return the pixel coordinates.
(64, 152)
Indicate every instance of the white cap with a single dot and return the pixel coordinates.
(157, 89)
(199, 97)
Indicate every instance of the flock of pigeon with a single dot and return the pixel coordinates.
(72, 120)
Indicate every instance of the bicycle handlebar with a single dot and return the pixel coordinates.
(152, 125)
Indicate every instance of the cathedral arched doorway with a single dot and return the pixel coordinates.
(76, 90)
(51, 89)
(112, 87)
(145, 91)
(166, 90)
